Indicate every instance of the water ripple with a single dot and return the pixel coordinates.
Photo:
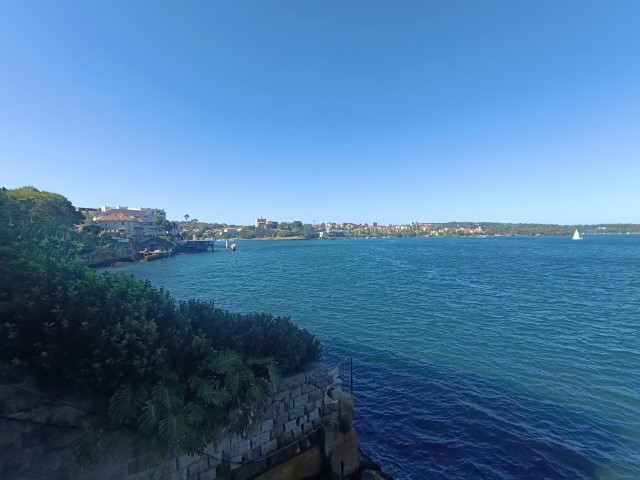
(500, 358)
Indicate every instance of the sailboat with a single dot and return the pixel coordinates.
(576, 235)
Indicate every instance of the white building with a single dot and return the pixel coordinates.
(131, 221)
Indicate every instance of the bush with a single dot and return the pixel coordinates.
(173, 372)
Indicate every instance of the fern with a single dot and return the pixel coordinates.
(123, 406)
(233, 382)
(225, 362)
(173, 428)
(195, 383)
(169, 398)
(197, 415)
(258, 392)
(193, 442)
(149, 417)
(212, 395)
(88, 446)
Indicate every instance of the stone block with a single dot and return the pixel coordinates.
(281, 396)
(293, 380)
(253, 429)
(183, 461)
(202, 465)
(317, 373)
(285, 439)
(223, 447)
(208, 475)
(177, 475)
(282, 419)
(323, 382)
(315, 395)
(307, 387)
(297, 432)
(163, 471)
(141, 463)
(258, 440)
(234, 438)
(210, 449)
(267, 425)
(296, 412)
(268, 447)
(277, 432)
(214, 461)
(252, 455)
(241, 448)
(271, 411)
(301, 400)
(235, 462)
(290, 425)
(296, 391)
(313, 415)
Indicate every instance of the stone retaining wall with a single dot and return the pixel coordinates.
(37, 435)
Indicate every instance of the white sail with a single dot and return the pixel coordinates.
(576, 235)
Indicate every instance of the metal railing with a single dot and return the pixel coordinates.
(343, 373)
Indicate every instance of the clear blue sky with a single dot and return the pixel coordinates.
(387, 111)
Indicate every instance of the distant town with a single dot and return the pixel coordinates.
(135, 224)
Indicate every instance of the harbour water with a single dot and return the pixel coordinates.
(498, 358)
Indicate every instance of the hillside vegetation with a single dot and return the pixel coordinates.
(173, 371)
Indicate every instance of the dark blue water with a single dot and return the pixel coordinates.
(500, 358)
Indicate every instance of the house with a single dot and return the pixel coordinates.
(145, 221)
(121, 224)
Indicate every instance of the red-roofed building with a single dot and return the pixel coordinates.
(121, 224)
(130, 222)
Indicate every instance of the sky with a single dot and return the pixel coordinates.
(333, 110)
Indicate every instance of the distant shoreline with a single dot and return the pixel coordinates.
(499, 235)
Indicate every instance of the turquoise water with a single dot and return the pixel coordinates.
(473, 358)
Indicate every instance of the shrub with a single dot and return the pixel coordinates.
(174, 372)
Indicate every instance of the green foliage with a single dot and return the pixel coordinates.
(173, 372)
(258, 335)
(88, 446)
